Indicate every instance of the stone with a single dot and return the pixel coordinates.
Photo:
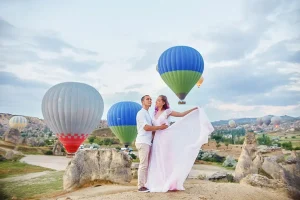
(97, 165)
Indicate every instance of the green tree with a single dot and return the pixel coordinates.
(91, 139)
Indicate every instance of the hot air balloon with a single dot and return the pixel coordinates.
(121, 119)
(259, 121)
(200, 81)
(232, 123)
(72, 110)
(276, 121)
(180, 67)
(267, 120)
(18, 122)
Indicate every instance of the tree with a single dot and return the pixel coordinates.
(226, 144)
(264, 140)
(91, 139)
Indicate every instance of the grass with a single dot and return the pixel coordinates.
(25, 149)
(35, 188)
(12, 168)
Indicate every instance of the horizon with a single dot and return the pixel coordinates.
(251, 57)
(175, 120)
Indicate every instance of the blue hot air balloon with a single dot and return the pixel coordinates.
(121, 119)
(180, 67)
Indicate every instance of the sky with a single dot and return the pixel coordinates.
(251, 52)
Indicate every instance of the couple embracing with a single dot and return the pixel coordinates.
(167, 153)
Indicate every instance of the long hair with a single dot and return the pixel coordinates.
(166, 105)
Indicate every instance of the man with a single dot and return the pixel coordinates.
(143, 140)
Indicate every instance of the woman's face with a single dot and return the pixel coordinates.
(159, 102)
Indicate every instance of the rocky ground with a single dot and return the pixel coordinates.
(195, 189)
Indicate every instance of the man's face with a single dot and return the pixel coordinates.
(147, 101)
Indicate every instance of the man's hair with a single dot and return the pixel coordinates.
(142, 99)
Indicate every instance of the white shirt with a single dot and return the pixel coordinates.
(143, 118)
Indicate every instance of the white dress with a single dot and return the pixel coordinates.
(175, 149)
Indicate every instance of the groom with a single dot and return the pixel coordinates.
(143, 140)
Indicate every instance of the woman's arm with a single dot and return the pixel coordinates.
(182, 114)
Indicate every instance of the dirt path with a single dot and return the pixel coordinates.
(25, 177)
(195, 189)
(53, 162)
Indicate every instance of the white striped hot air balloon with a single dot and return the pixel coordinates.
(232, 123)
(72, 111)
(18, 122)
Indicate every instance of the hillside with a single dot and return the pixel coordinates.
(241, 121)
(36, 127)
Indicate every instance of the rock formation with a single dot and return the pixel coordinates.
(12, 135)
(250, 160)
(97, 165)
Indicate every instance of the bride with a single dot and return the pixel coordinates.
(175, 149)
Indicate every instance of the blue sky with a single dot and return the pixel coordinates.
(251, 51)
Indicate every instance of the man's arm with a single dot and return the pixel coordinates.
(155, 128)
(142, 122)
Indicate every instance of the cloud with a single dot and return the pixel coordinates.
(51, 43)
(19, 47)
(134, 86)
(70, 64)
(152, 52)
(280, 52)
(10, 79)
(7, 30)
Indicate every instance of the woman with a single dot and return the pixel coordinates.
(175, 149)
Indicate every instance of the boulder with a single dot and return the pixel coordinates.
(262, 181)
(90, 166)
(218, 176)
(58, 149)
(12, 135)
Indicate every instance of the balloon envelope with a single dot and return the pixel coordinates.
(232, 123)
(18, 122)
(276, 120)
(200, 81)
(267, 120)
(72, 110)
(259, 121)
(121, 119)
(180, 67)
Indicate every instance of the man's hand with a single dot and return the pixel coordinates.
(163, 126)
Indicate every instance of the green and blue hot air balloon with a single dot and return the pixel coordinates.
(121, 119)
(180, 67)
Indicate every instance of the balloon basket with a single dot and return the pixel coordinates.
(70, 155)
(181, 102)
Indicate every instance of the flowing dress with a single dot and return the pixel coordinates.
(175, 149)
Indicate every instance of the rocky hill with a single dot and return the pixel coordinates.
(35, 127)
(242, 121)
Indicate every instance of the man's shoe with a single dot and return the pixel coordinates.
(143, 189)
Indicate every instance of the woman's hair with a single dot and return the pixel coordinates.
(165, 100)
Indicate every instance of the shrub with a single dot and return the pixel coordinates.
(49, 152)
(133, 156)
(264, 140)
(201, 176)
(293, 137)
(210, 156)
(297, 148)
(287, 145)
(118, 148)
(91, 139)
